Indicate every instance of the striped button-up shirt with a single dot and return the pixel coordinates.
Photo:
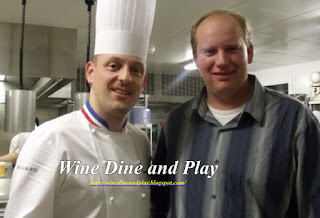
(266, 160)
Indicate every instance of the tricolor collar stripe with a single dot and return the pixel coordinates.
(124, 126)
(88, 118)
(95, 117)
(92, 118)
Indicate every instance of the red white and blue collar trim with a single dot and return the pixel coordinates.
(94, 118)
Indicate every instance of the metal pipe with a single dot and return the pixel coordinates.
(24, 2)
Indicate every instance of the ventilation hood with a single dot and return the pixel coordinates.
(49, 52)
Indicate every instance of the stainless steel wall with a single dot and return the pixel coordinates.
(48, 51)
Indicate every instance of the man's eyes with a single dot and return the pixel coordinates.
(210, 51)
(233, 49)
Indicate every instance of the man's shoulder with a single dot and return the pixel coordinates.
(275, 97)
(183, 108)
(283, 105)
(176, 116)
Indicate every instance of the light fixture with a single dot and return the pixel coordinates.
(189, 55)
(315, 86)
(190, 66)
(82, 95)
(151, 49)
(315, 78)
(20, 104)
(2, 77)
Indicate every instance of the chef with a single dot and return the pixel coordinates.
(16, 145)
(64, 159)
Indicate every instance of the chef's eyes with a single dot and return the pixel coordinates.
(135, 69)
(113, 66)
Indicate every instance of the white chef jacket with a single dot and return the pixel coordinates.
(18, 141)
(38, 190)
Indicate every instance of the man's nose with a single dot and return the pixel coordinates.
(222, 59)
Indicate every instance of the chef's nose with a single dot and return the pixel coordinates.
(125, 75)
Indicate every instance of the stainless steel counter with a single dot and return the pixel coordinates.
(5, 188)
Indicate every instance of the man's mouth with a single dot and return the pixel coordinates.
(223, 73)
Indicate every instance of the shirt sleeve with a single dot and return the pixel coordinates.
(307, 185)
(14, 144)
(160, 195)
(35, 178)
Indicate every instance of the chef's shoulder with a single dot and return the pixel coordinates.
(136, 130)
(138, 133)
(62, 122)
(62, 125)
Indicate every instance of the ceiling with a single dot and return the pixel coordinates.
(285, 32)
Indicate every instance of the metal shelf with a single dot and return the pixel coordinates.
(314, 102)
(143, 103)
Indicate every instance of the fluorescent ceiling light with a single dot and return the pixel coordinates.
(189, 55)
(190, 66)
(2, 77)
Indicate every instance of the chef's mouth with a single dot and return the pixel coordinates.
(121, 91)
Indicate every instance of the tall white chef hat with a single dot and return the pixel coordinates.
(124, 27)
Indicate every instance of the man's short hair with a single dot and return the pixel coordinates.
(243, 21)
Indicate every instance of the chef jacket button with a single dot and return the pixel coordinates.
(111, 200)
(143, 195)
(104, 162)
(138, 161)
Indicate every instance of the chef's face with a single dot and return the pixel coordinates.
(116, 83)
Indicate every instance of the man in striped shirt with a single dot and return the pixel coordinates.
(264, 144)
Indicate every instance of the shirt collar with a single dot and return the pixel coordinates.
(254, 107)
(94, 118)
(256, 104)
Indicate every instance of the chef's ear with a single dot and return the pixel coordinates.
(90, 72)
(145, 79)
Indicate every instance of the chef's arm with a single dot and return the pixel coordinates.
(9, 157)
(34, 179)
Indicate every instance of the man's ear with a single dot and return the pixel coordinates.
(89, 72)
(250, 51)
(195, 58)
